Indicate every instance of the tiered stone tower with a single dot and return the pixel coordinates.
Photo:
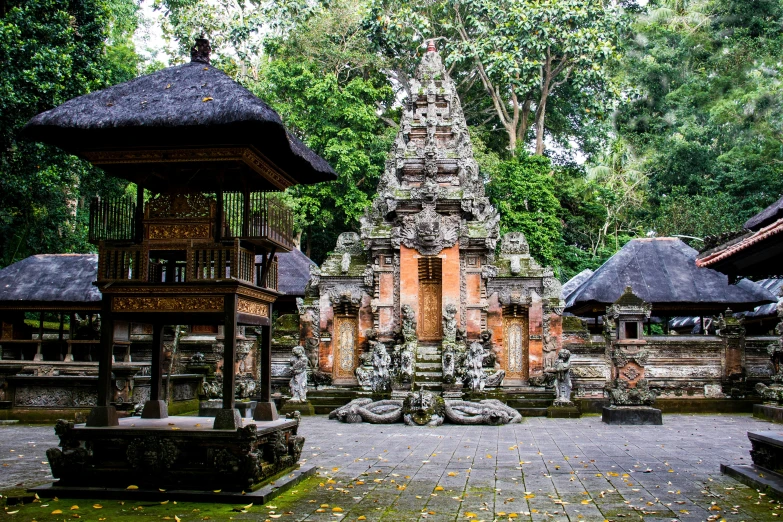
(422, 282)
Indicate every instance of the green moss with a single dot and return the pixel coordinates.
(43, 416)
(183, 407)
(289, 322)
(573, 324)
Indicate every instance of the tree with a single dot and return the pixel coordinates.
(523, 52)
(522, 191)
(53, 50)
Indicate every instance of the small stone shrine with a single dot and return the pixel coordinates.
(420, 301)
(631, 398)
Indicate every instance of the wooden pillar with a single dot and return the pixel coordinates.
(139, 217)
(104, 414)
(156, 407)
(265, 409)
(39, 347)
(228, 418)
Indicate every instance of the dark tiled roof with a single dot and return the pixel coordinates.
(188, 105)
(293, 272)
(767, 310)
(766, 217)
(663, 272)
(54, 278)
(575, 282)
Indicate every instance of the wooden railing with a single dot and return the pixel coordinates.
(112, 219)
(206, 261)
(259, 216)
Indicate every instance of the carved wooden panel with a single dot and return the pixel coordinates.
(346, 330)
(430, 297)
(515, 344)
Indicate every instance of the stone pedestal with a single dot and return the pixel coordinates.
(633, 415)
(228, 419)
(265, 411)
(768, 412)
(766, 472)
(563, 412)
(102, 416)
(304, 408)
(155, 410)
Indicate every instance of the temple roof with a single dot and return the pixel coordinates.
(193, 105)
(663, 272)
(766, 217)
(51, 278)
(293, 272)
(575, 282)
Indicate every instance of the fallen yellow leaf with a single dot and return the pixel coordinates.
(438, 488)
(74, 507)
(452, 473)
(165, 502)
(248, 506)
(362, 517)
(57, 512)
(217, 491)
(206, 99)
(132, 487)
(97, 506)
(470, 514)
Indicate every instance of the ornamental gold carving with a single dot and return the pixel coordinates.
(194, 231)
(167, 304)
(246, 306)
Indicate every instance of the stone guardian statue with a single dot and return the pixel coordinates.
(298, 382)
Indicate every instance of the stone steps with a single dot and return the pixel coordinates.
(428, 368)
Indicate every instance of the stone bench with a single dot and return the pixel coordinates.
(767, 451)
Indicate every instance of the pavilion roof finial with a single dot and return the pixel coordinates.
(200, 51)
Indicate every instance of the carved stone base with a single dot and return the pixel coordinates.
(634, 415)
(563, 412)
(228, 420)
(178, 453)
(102, 416)
(768, 412)
(767, 450)
(265, 411)
(155, 410)
(758, 478)
(304, 408)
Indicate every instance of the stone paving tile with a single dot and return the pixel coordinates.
(542, 469)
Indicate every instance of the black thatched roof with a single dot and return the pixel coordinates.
(662, 271)
(766, 217)
(293, 272)
(575, 282)
(187, 106)
(57, 279)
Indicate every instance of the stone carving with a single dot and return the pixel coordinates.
(346, 294)
(450, 325)
(621, 394)
(449, 364)
(514, 243)
(349, 243)
(151, 454)
(408, 323)
(549, 344)
(363, 372)
(474, 367)
(427, 231)
(562, 374)
(423, 408)
(381, 381)
(244, 387)
(298, 383)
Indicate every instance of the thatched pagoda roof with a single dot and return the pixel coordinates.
(293, 272)
(766, 217)
(189, 106)
(575, 282)
(54, 280)
(663, 272)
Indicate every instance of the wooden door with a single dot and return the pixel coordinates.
(346, 341)
(430, 305)
(515, 340)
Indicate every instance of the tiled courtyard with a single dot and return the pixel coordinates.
(542, 469)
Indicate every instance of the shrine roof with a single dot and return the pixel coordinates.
(663, 272)
(51, 278)
(766, 217)
(293, 272)
(756, 254)
(193, 105)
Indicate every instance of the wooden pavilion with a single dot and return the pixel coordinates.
(206, 156)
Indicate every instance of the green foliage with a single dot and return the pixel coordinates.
(53, 50)
(522, 189)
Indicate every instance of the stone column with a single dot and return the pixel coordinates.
(732, 332)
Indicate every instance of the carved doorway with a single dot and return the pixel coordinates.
(345, 341)
(515, 339)
(430, 290)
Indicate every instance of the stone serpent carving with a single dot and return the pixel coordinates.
(425, 408)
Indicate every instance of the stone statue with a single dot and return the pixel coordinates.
(298, 382)
(562, 373)
(381, 361)
(423, 408)
(408, 323)
(450, 324)
(448, 360)
(474, 365)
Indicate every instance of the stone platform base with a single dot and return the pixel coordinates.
(304, 408)
(178, 453)
(634, 415)
(768, 412)
(211, 408)
(756, 477)
(563, 412)
(273, 487)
